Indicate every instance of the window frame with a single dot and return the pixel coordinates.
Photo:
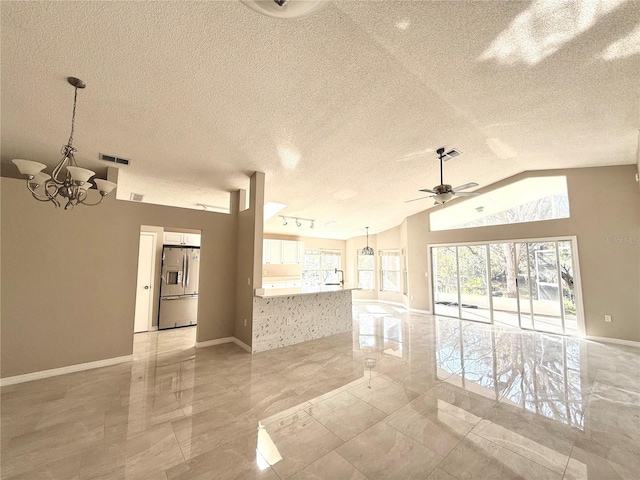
(322, 252)
(394, 253)
(372, 270)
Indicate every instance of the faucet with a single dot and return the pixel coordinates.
(341, 276)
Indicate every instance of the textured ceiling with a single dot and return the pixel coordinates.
(342, 110)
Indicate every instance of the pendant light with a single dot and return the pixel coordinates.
(367, 250)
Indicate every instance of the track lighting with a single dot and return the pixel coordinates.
(312, 223)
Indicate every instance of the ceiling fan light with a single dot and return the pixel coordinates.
(286, 9)
(443, 197)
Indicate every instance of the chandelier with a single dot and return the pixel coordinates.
(70, 186)
(367, 250)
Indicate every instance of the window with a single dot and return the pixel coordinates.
(529, 200)
(405, 273)
(366, 267)
(320, 266)
(390, 270)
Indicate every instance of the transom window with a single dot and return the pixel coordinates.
(528, 200)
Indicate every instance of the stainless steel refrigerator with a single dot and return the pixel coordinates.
(179, 287)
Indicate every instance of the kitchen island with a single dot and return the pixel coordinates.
(287, 316)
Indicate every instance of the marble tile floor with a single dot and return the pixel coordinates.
(403, 396)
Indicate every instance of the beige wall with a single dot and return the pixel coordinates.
(249, 257)
(68, 292)
(604, 207)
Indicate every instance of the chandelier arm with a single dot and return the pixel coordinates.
(67, 158)
(49, 197)
(70, 204)
(92, 204)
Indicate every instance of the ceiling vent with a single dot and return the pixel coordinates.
(113, 159)
(136, 197)
(451, 154)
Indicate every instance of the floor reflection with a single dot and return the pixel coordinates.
(403, 395)
(540, 373)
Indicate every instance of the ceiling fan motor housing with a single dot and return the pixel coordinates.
(440, 189)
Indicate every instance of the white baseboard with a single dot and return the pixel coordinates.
(417, 310)
(390, 302)
(219, 341)
(629, 343)
(27, 377)
(242, 345)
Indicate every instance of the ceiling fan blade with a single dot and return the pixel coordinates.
(426, 190)
(466, 194)
(465, 186)
(415, 199)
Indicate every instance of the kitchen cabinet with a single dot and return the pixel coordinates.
(288, 252)
(177, 238)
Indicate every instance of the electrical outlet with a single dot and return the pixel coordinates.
(245, 322)
(607, 318)
(249, 281)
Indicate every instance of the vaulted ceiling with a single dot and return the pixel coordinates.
(342, 110)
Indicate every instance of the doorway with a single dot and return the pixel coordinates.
(144, 286)
(529, 284)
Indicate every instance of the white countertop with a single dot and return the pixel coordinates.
(286, 292)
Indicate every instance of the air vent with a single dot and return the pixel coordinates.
(450, 154)
(113, 159)
(136, 197)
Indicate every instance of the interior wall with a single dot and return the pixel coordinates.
(249, 256)
(68, 295)
(608, 234)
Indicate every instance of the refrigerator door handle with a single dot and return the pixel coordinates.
(188, 256)
(184, 268)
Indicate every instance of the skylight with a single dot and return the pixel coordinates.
(529, 200)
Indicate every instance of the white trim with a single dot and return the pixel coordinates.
(27, 377)
(216, 341)
(219, 341)
(389, 302)
(241, 344)
(417, 310)
(629, 343)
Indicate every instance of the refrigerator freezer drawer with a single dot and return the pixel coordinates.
(178, 312)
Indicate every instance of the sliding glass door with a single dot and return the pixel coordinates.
(525, 284)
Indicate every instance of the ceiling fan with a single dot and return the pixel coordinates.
(443, 193)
